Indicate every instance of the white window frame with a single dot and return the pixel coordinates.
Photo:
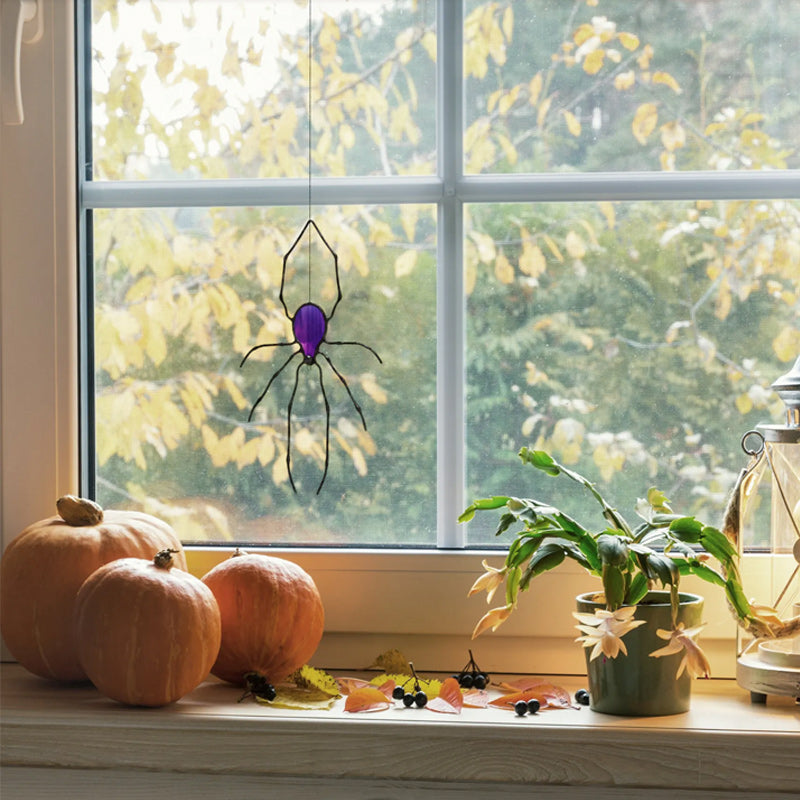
(414, 600)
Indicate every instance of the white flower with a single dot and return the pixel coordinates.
(604, 630)
(694, 660)
(489, 581)
(492, 619)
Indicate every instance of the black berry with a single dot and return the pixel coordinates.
(408, 699)
(521, 707)
(421, 699)
(398, 692)
(582, 697)
(533, 706)
(466, 681)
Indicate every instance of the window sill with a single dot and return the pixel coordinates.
(76, 743)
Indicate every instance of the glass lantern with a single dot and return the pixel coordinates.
(769, 503)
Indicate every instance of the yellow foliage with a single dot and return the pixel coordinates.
(573, 124)
(644, 121)
(786, 344)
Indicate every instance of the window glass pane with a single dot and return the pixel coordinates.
(219, 89)
(616, 85)
(183, 294)
(636, 342)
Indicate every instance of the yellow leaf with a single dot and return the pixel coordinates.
(552, 247)
(370, 386)
(532, 261)
(744, 403)
(507, 101)
(359, 462)
(308, 677)
(574, 244)
(644, 121)
(508, 22)
(607, 209)
(404, 264)
(544, 107)
(786, 344)
(625, 80)
(667, 80)
(673, 135)
(593, 62)
(535, 88)
(573, 124)
(503, 270)
(630, 41)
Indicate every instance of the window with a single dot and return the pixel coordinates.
(600, 273)
(602, 258)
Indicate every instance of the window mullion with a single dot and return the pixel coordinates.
(450, 372)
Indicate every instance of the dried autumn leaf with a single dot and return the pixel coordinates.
(449, 699)
(349, 685)
(368, 698)
(390, 661)
(548, 694)
(476, 698)
(295, 698)
(308, 677)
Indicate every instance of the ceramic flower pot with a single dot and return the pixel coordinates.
(637, 684)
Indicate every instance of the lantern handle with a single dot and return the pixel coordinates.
(749, 449)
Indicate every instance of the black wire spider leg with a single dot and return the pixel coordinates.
(281, 369)
(327, 425)
(360, 344)
(344, 383)
(289, 426)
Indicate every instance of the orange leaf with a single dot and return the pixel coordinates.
(367, 698)
(476, 698)
(548, 695)
(449, 699)
(386, 688)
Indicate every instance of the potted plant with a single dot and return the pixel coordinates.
(632, 625)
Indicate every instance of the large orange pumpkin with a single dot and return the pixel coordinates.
(272, 617)
(147, 634)
(43, 568)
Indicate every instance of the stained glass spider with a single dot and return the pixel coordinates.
(309, 325)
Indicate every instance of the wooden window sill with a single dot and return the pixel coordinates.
(73, 740)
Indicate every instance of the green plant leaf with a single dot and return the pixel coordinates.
(687, 529)
(612, 549)
(717, 544)
(613, 586)
(540, 460)
(482, 505)
(637, 589)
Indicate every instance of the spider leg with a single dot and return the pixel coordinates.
(259, 346)
(327, 424)
(360, 344)
(344, 383)
(289, 426)
(263, 394)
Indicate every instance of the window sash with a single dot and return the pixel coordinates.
(450, 189)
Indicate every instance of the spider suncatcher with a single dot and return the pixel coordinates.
(310, 326)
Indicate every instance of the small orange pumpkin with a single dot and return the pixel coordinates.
(43, 568)
(272, 617)
(147, 634)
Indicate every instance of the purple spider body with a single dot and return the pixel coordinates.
(309, 326)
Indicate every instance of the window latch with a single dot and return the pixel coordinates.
(21, 22)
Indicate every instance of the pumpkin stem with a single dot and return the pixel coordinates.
(163, 558)
(78, 511)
